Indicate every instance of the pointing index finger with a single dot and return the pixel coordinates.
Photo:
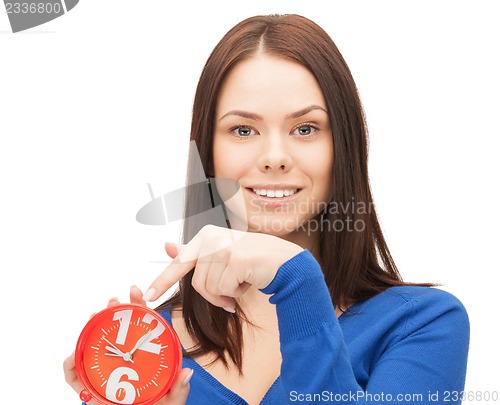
(172, 273)
(186, 259)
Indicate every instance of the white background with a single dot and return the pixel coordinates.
(96, 104)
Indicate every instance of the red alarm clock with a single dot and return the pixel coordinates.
(127, 354)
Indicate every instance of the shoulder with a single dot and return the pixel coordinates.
(424, 308)
(420, 296)
(419, 333)
(411, 297)
(410, 309)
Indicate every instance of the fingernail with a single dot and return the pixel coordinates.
(149, 294)
(188, 378)
(113, 299)
(232, 310)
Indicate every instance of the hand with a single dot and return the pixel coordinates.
(71, 376)
(180, 388)
(226, 262)
(176, 396)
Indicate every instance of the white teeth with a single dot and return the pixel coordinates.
(275, 193)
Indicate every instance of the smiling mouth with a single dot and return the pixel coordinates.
(274, 193)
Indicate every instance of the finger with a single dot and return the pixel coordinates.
(184, 262)
(172, 274)
(172, 249)
(191, 251)
(209, 269)
(113, 302)
(212, 263)
(136, 296)
(69, 368)
(70, 373)
(216, 269)
(219, 293)
(230, 286)
(210, 239)
(180, 389)
(202, 273)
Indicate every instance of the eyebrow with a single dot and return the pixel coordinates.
(256, 117)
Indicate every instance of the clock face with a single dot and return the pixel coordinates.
(127, 354)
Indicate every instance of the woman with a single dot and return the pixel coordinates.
(298, 298)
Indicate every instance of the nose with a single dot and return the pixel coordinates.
(275, 154)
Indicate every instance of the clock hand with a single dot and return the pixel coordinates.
(141, 340)
(118, 352)
(114, 347)
(113, 354)
(125, 356)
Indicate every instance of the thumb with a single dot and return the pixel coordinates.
(172, 249)
(180, 389)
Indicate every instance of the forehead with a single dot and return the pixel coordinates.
(267, 83)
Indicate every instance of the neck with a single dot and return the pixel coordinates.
(307, 240)
(255, 305)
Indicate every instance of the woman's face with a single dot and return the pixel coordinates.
(272, 135)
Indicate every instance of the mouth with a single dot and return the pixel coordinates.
(274, 192)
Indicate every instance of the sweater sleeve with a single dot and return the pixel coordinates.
(424, 358)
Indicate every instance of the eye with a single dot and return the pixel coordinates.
(243, 131)
(304, 130)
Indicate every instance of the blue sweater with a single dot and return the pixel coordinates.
(407, 345)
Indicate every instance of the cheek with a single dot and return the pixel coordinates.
(230, 162)
(321, 170)
(326, 167)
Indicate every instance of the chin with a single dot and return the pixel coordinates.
(273, 226)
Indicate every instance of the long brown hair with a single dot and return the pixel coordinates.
(356, 261)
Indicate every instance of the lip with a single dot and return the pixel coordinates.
(280, 186)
